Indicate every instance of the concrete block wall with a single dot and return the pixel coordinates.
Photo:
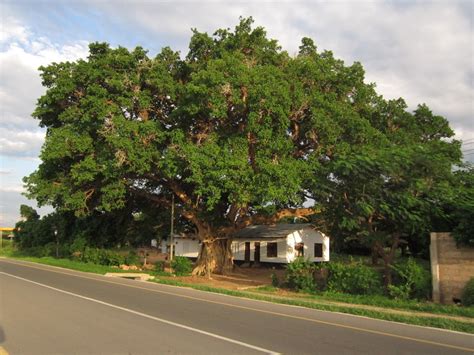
(451, 267)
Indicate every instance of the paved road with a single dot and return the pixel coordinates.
(46, 310)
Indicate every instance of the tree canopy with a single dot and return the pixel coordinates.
(241, 133)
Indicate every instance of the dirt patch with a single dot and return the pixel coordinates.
(241, 278)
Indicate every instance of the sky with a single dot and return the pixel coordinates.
(419, 50)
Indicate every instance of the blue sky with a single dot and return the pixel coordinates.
(419, 50)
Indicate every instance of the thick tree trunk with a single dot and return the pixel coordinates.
(375, 256)
(388, 257)
(215, 257)
(387, 271)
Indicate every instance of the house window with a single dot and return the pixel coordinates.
(272, 250)
(318, 250)
(299, 247)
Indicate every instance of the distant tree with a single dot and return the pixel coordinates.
(461, 206)
(28, 213)
(33, 231)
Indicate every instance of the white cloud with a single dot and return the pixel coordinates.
(21, 143)
(18, 189)
(22, 52)
(11, 28)
(20, 87)
(10, 207)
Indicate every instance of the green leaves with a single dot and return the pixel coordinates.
(238, 122)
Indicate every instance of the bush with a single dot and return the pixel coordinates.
(90, 255)
(160, 265)
(41, 251)
(102, 257)
(468, 293)
(411, 280)
(181, 265)
(354, 278)
(78, 245)
(111, 258)
(132, 258)
(299, 275)
(275, 281)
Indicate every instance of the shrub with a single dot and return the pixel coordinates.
(275, 281)
(91, 255)
(354, 278)
(411, 280)
(181, 265)
(160, 265)
(78, 245)
(299, 275)
(468, 293)
(41, 251)
(111, 258)
(102, 257)
(132, 258)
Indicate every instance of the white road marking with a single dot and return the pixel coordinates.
(147, 316)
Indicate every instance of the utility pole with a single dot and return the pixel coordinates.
(57, 242)
(172, 228)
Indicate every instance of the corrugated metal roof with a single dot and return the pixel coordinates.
(269, 231)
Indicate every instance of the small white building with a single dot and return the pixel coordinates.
(186, 245)
(279, 243)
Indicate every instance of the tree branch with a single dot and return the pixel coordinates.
(265, 219)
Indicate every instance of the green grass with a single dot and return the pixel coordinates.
(10, 251)
(384, 302)
(437, 322)
(7, 248)
(74, 265)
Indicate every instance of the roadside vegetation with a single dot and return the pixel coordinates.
(99, 261)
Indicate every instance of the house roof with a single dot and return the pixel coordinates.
(271, 231)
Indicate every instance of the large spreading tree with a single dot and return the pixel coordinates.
(238, 131)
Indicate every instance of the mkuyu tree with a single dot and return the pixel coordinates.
(238, 131)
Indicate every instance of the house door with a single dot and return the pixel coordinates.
(247, 252)
(257, 252)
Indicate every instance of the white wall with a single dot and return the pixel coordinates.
(283, 249)
(186, 247)
(309, 237)
(238, 250)
(286, 247)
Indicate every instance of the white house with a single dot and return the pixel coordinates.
(279, 243)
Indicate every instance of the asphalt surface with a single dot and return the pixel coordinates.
(47, 310)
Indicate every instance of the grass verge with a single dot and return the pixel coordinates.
(436, 322)
(379, 301)
(74, 265)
